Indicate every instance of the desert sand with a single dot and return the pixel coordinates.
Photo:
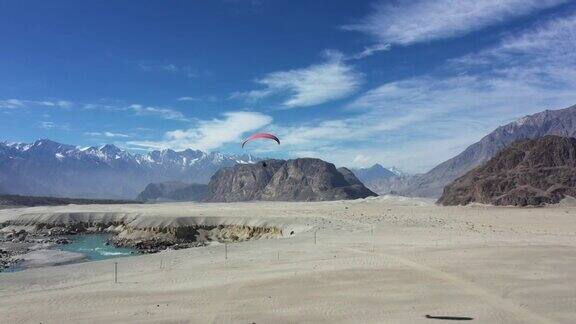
(377, 260)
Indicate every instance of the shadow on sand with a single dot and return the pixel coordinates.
(450, 318)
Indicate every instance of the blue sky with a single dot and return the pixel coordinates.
(402, 83)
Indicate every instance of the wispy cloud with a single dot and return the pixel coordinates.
(155, 67)
(371, 50)
(48, 125)
(210, 134)
(167, 68)
(421, 121)
(23, 103)
(549, 43)
(314, 85)
(107, 134)
(162, 112)
(197, 99)
(188, 99)
(12, 104)
(138, 110)
(407, 22)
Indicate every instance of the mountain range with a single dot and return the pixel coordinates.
(48, 168)
(431, 184)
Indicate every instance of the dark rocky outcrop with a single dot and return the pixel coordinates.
(530, 172)
(173, 190)
(550, 122)
(293, 180)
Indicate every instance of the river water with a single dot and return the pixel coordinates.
(94, 247)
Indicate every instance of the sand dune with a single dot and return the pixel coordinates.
(378, 260)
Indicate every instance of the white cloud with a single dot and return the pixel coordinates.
(169, 68)
(138, 110)
(48, 125)
(547, 44)
(314, 85)
(63, 104)
(210, 134)
(12, 103)
(407, 22)
(21, 103)
(107, 134)
(419, 122)
(164, 113)
(155, 67)
(187, 99)
(371, 50)
(207, 98)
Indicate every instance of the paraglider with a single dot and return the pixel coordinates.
(261, 136)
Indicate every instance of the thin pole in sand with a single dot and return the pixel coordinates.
(278, 256)
(225, 251)
(372, 235)
(315, 236)
(115, 272)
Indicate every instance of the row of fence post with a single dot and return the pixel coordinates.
(163, 264)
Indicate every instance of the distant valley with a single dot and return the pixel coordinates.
(48, 168)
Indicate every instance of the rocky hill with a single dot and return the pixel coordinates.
(550, 122)
(173, 191)
(529, 172)
(48, 168)
(293, 180)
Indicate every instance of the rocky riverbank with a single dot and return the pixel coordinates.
(18, 242)
(15, 243)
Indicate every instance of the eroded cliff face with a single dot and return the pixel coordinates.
(530, 172)
(278, 180)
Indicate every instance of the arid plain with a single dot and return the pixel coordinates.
(375, 260)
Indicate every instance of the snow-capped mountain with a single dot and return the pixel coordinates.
(397, 171)
(49, 168)
(382, 180)
(374, 172)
